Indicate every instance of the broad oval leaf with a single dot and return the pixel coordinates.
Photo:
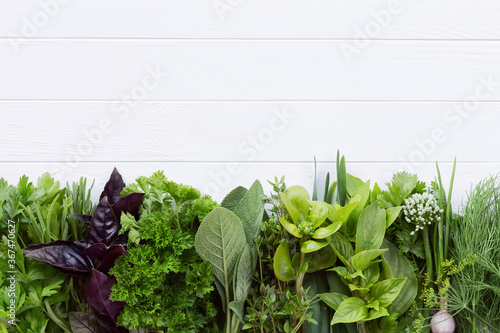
(113, 187)
(220, 239)
(129, 204)
(312, 245)
(97, 292)
(400, 267)
(319, 213)
(353, 183)
(290, 227)
(374, 314)
(104, 225)
(363, 259)
(371, 228)
(351, 310)
(282, 263)
(297, 202)
(65, 256)
(322, 233)
(386, 291)
(333, 300)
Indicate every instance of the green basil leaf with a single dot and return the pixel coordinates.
(371, 228)
(351, 310)
(386, 291)
(333, 300)
(363, 259)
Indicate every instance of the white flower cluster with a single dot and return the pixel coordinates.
(421, 209)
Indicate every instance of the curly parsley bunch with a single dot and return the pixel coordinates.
(421, 209)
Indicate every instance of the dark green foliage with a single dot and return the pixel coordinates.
(164, 283)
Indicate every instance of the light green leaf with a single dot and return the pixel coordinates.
(290, 227)
(362, 290)
(363, 259)
(319, 213)
(312, 245)
(361, 197)
(333, 300)
(220, 239)
(392, 214)
(375, 192)
(371, 228)
(322, 233)
(341, 179)
(353, 183)
(386, 291)
(297, 203)
(282, 263)
(351, 310)
(341, 214)
(374, 314)
(250, 210)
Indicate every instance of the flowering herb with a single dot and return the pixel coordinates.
(422, 209)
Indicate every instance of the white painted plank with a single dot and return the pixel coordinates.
(425, 19)
(247, 70)
(214, 178)
(248, 131)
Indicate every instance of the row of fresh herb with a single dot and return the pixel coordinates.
(158, 256)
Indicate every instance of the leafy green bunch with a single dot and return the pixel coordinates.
(39, 212)
(163, 282)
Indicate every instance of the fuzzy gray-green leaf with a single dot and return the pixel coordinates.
(220, 240)
(250, 211)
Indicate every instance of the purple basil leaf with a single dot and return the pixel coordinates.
(84, 218)
(83, 244)
(113, 187)
(81, 322)
(96, 251)
(113, 253)
(97, 292)
(129, 204)
(65, 256)
(104, 226)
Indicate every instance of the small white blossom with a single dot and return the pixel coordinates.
(421, 210)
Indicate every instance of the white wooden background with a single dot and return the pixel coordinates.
(220, 92)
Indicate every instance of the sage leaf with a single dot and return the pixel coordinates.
(220, 239)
